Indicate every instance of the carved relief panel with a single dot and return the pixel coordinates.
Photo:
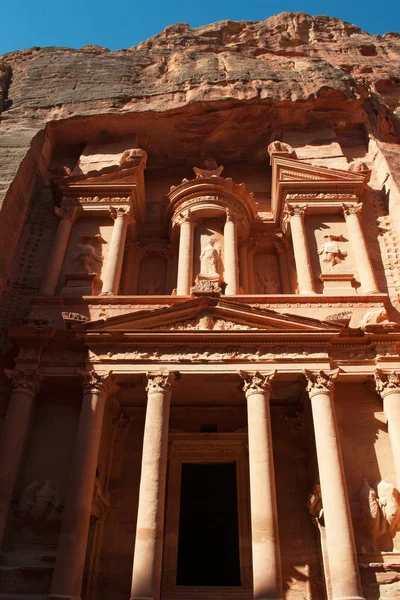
(152, 275)
(331, 255)
(266, 271)
(86, 256)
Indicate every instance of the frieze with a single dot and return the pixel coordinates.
(307, 194)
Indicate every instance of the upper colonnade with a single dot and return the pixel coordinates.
(216, 233)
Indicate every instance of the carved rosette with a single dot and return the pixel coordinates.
(97, 383)
(320, 383)
(351, 209)
(160, 383)
(257, 383)
(387, 383)
(23, 381)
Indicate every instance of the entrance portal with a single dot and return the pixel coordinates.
(208, 544)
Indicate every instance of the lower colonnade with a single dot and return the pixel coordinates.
(148, 551)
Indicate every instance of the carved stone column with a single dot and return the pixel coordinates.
(12, 441)
(115, 258)
(283, 267)
(267, 576)
(388, 386)
(244, 268)
(250, 261)
(147, 562)
(305, 277)
(67, 217)
(185, 258)
(71, 550)
(342, 555)
(360, 250)
(231, 255)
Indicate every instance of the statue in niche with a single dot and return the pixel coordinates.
(87, 257)
(268, 285)
(39, 503)
(210, 259)
(330, 251)
(152, 287)
(380, 510)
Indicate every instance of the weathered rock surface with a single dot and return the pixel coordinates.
(239, 81)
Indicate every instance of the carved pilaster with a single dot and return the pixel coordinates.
(321, 382)
(159, 383)
(257, 383)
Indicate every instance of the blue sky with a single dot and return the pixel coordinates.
(25, 23)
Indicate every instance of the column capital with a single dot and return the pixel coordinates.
(160, 382)
(296, 210)
(321, 382)
(256, 383)
(185, 216)
(231, 216)
(352, 209)
(120, 211)
(24, 381)
(97, 383)
(387, 383)
(69, 213)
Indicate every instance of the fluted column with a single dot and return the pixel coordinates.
(115, 258)
(305, 277)
(71, 549)
(231, 269)
(267, 576)
(360, 250)
(185, 258)
(147, 562)
(67, 217)
(388, 386)
(342, 555)
(244, 268)
(14, 433)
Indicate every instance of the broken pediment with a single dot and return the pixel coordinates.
(322, 188)
(209, 314)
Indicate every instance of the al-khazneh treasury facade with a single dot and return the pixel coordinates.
(203, 373)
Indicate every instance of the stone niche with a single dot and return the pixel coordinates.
(152, 275)
(208, 229)
(266, 272)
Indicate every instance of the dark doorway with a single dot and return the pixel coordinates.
(208, 547)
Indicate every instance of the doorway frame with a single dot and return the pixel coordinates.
(206, 448)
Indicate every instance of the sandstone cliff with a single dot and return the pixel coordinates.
(244, 80)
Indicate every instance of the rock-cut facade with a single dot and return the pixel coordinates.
(200, 283)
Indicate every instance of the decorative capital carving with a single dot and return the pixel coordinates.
(185, 217)
(121, 212)
(23, 381)
(321, 382)
(160, 383)
(296, 210)
(257, 383)
(231, 216)
(351, 209)
(278, 147)
(97, 383)
(66, 212)
(387, 383)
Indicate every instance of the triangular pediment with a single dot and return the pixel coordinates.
(208, 314)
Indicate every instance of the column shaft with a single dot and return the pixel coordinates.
(284, 270)
(147, 562)
(244, 268)
(267, 577)
(185, 259)
(115, 258)
(250, 262)
(388, 385)
(13, 438)
(305, 277)
(360, 249)
(57, 254)
(231, 255)
(342, 554)
(71, 549)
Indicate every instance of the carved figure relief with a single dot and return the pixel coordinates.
(210, 259)
(330, 251)
(88, 255)
(380, 510)
(39, 503)
(267, 273)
